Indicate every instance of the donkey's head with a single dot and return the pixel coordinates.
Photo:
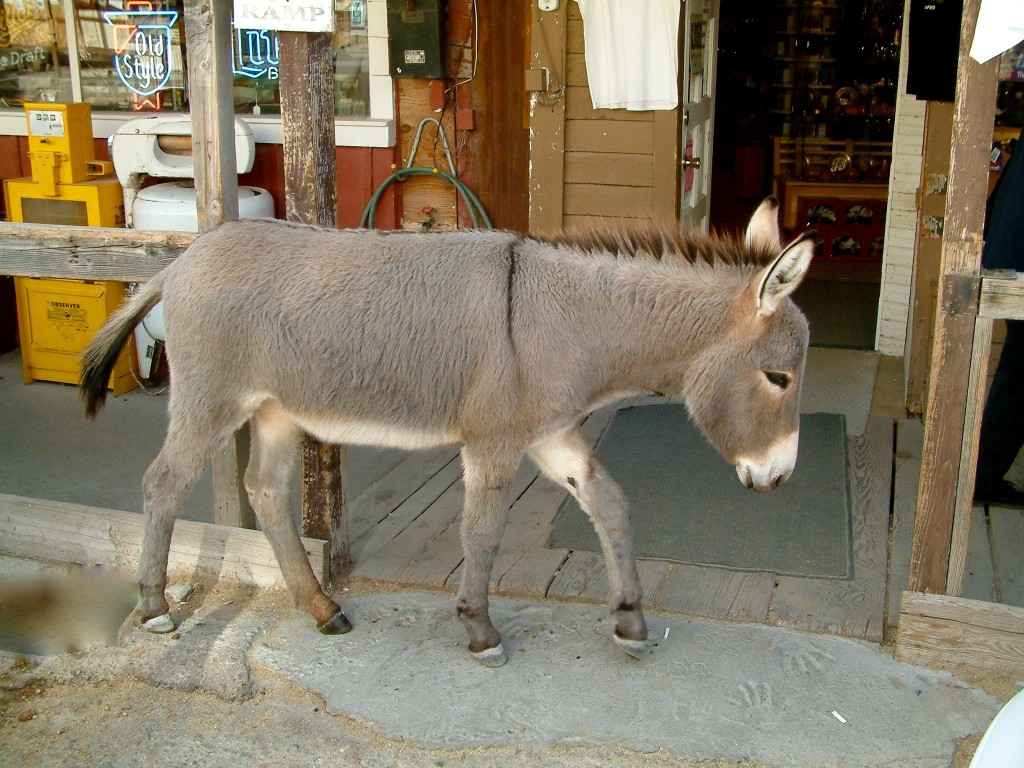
(744, 388)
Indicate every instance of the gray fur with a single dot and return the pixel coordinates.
(498, 342)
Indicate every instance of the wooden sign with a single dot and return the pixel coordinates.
(285, 15)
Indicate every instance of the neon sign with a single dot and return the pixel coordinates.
(142, 51)
(256, 53)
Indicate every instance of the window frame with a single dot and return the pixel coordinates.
(377, 130)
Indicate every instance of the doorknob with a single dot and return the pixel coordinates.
(691, 162)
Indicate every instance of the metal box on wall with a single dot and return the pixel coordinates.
(415, 29)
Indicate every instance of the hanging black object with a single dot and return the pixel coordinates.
(933, 48)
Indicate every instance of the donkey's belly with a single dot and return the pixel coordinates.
(347, 430)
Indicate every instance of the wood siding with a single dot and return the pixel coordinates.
(590, 165)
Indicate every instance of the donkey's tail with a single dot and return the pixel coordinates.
(100, 355)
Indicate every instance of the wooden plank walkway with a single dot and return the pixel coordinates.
(417, 544)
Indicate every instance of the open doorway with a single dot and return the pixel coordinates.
(805, 110)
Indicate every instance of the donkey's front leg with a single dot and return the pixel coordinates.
(487, 479)
(568, 460)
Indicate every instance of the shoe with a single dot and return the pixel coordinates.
(1000, 494)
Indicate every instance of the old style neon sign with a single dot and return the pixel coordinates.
(142, 51)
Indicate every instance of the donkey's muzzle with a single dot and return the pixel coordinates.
(774, 469)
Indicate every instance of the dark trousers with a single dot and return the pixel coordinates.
(1002, 425)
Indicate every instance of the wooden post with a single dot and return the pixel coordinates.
(941, 498)
(548, 42)
(307, 119)
(211, 103)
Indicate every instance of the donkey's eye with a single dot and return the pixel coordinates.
(779, 379)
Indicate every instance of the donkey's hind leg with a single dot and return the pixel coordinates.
(488, 475)
(165, 486)
(272, 457)
(568, 460)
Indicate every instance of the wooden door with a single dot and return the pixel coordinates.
(697, 77)
(590, 165)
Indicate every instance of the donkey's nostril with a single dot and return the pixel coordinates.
(745, 475)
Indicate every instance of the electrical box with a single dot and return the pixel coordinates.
(415, 29)
(57, 318)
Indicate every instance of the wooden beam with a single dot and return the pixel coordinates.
(667, 136)
(87, 253)
(73, 533)
(211, 102)
(964, 507)
(928, 249)
(945, 632)
(307, 123)
(502, 176)
(939, 493)
(212, 107)
(307, 119)
(1002, 295)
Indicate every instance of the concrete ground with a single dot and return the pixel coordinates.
(246, 677)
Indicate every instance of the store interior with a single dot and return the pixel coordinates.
(805, 110)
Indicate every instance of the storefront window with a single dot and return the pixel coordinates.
(33, 52)
(129, 55)
(256, 57)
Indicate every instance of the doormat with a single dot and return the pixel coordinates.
(841, 313)
(688, 506)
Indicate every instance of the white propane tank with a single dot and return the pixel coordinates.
(171, 206)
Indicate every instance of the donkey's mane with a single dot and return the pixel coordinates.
(658, 241)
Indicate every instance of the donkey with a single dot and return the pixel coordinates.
(498, 342)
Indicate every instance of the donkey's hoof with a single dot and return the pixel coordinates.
(491, 657)
(338, 624)
(160, 625)
(638, 649)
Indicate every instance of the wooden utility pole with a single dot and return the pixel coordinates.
(944, 492)
(311, 197)
(212, 108)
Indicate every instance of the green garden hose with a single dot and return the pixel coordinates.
(473, 204)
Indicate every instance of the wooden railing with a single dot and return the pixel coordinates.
(87, 253)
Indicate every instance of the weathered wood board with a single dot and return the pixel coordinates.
(54, 530)
(944, 632)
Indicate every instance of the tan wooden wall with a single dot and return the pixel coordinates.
(613, 163)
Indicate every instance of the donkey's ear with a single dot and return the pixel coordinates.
(763, 229)
(784, 275)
